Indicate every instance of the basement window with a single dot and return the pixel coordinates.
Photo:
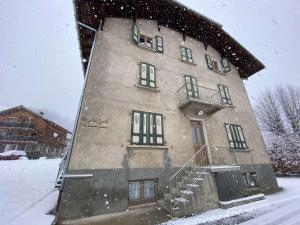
(250, 179)
(142, 191)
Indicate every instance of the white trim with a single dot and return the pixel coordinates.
(78, 175)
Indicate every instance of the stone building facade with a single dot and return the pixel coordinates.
(160, 106)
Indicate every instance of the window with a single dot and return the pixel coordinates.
(186, 54)
(159, 44)
(145, 41)
(224, 92)
(250, 179)
(235, 136)
(214, 65)
(142, 191)
(147, 128)
(147, 75)
(191, 86)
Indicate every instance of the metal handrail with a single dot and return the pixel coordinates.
(184, 166)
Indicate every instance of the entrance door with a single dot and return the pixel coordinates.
(199, 142)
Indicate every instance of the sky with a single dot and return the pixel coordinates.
(40, 65)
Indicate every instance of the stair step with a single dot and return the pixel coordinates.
(187, 192)
(198, 179)
(193, 185)
(181, 199)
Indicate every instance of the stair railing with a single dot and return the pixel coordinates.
(188, 165)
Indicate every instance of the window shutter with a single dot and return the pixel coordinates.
(136, 33)
(136, 127)
(159, 129)
(183, 53)
(226, 92)
(222, 93)
(242, 138)
(152, 76)
(144, 128)
(195, 87)
(209, 62)
(189, 54)
(229, 135)
(143, 74)
(159, 44)
(188, 84)
(225, 65)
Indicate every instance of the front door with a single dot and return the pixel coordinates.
(199, 142)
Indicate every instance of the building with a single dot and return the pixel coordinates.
(164, 117)
(24, 129)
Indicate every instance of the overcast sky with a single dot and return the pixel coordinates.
(40, 62)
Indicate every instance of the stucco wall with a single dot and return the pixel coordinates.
(111, 95)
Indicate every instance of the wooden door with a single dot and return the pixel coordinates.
(199, 142)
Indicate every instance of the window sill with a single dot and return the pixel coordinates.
(156, 90)
(146, 48)
(152, 147)
(219, 72)
(187, 62)
(230, 106)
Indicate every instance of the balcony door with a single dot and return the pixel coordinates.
(199, 143)
(191, 86)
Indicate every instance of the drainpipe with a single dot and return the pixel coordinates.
(77, 115)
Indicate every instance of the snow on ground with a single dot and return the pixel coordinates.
(276, 208)
(24, 183)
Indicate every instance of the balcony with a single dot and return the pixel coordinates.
(6, 124)
(13, 139)
(197, 98)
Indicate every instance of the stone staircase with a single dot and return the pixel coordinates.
(186, 192)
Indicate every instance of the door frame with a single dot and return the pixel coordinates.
(204, 134)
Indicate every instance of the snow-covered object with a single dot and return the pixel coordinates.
(13, 152)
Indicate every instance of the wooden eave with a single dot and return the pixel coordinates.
(170, 14)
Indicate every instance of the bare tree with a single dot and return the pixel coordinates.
(278, 113)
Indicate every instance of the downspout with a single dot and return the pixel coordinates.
(77, 117)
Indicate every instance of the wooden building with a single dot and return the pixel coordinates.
(23, 129)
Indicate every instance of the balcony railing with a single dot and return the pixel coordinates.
(199, 98)
(16, 125)
(220, 155)
(9, 138)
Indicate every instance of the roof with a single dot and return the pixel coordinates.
(171, 14)
(6, 111)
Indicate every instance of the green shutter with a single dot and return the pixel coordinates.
(189, 55)
(208, 61)
(136, 33)
(151, 76)
(144, 74)
(183, 53)
(225, 65)
(224, 92)
(191, 86)
(235, 136)
(147, 128)
(135, 127)
(159, 44)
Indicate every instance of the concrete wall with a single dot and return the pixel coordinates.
(111, 95)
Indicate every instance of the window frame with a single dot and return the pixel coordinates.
(248, 178)
(186, 54)
(236, 138)
(144, 44)
(142, 199)
(147, 79)
(159, 46)
(226, 99)
(141, 134)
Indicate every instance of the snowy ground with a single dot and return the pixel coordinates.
(27, 195)
(27, 190)
(276, 209)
